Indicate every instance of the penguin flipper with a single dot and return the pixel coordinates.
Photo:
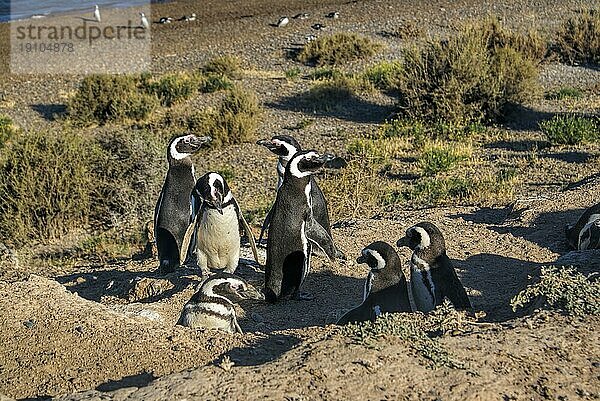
(266, 224)
(187, 239)
(354, 315)
(317, 235)
(453, 289)
(248, 231)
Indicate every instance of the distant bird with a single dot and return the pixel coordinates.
(301, 16)
(144, 21)
(190, 18)
(97, 14)
(283, 21)
(318, 27)
(333, 15)
(310, 38)
(165, 20)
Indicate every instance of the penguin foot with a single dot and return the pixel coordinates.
(305, 296)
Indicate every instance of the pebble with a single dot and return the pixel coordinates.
(29, 323)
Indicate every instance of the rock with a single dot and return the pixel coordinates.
(146, 288)
(29, 323)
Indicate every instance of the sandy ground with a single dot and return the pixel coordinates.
(106, 331)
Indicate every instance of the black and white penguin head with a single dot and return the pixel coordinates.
(283, 146)
(378, 256)
(183, 147)
(213, 190)
(228, 285)
(424, 235)
(306, 163)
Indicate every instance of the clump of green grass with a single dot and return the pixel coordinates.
(328, 95)
(7, 130)
(293, 73)
(337, 49)
(110, 98)
(172, 88)
(570, 130)
(419, 131)
(438, 157)
(417, 330)
(408, 30)
(578, 38)
(376, 150)
(384, 75)
(565, 92)
(213, 82)
(228, 66)
(472, 77)
(235, 120)
(562, 288)
(325, 73)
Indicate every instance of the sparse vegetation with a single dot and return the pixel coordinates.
(565, 92)
(417, 330)
(327, 95)
(472, 77)
(419, 131)
(110, 98)
(292, 73)
(440, 156)
(172, 88)
(7, 130)
(571, 130)
(337, 49)
(325, 73)
(212, 82)
(385, 75)
(228, 66)
(562, 288)
(578, 39)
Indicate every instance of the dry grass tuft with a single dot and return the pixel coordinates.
(578, 39)
(337, 49)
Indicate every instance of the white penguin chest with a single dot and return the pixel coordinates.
(219, 233)
(585, 235)
(421, 284)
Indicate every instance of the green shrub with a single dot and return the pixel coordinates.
(325, 73)
(385, 75)
(235, 120)
(228, 66)
(419, 131)
(7, 130)
(470, 78)
(213, 82)
(329, 95)
(570, 130)
(564, 93)
(436, 190)
(110, 98)
(338, 48)
(438, 157)
(562, 288)
(578, 38)
(293, 73)
(173, 88)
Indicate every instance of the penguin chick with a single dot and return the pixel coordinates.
(585, 233)
(212, 307)
(174, 210)
(432, 275)
(385, 286)
(293, 230)
(217, 224)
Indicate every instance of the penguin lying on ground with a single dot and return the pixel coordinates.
(293, 230)
(285, 147)
(173, 212)
(585, 233)
(212, 307)
(432, 275)
(385, 286)
(217, 225)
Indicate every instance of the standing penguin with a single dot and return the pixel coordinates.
(585, 233)
(217, 224)
(174, 208)
(432, 275)
(212, 307)
(285, 147)
(294, 230)
(385, 286)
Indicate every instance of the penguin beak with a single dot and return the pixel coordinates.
(361, 259)
(218, 202)
(199, 141)
(251, 293)
(404, 241)
(267, 144)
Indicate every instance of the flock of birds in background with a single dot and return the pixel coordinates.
(144, 20)
(197, 223)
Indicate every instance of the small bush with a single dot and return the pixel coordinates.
(329, 95)
(562, 288)
(578, 38)
(7, 130)
(228, 66)
(235, 120)
(337, 49)
(376, 150)
(472, 77)
(419, 131)
(385, 75)
(212, 82)
(438, 157)
(293, 73)
(325, 73)
(172, 88)
(110, 98)
(570, 130)
(564, 93)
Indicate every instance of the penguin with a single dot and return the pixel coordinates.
(217, 224)
(189, 18)
(585, 233)
(310, 38)
(212, 307)
(283, 21)
(144, 21)
(293, 230)
(286, 146)
(385, 287)
(174, 209)
(432, 275)
(97, 14)
(333, 15)
(301, 16)
(165, 20)
(318, 27)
